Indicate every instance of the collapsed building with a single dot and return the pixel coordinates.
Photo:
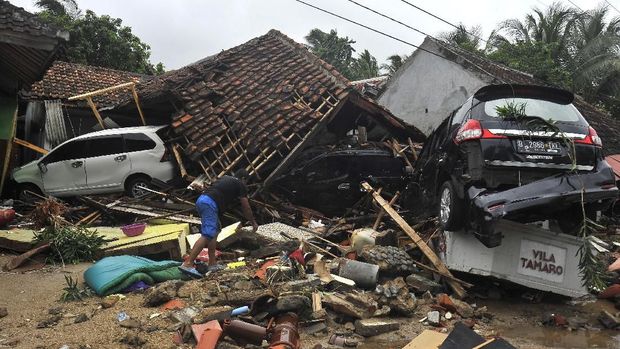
(258, 105)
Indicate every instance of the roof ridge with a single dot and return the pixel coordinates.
(87, 66)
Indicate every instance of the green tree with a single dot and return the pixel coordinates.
(395, 62)
(98, 40)
(364, 67)
(466, 38)
(535, 58)
(333, 49)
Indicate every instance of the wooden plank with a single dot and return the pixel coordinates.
(29, 145)
(101, 91)
(184, 219)
(95, 111)
(414, 154)
(427, 340)
(177, 156)
(9, 148)
(428, 252)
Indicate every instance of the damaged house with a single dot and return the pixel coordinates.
(52, 116)
(259, 106)
(27, 48)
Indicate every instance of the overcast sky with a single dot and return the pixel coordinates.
(183, 31)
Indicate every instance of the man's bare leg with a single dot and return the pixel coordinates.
(193, 254)
(212, 245)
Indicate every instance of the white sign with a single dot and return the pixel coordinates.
(542, 261)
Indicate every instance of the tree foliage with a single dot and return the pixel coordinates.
(98, 40)
(333, 49)
(395, 62)
(364, 67)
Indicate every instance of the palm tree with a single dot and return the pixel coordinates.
(596, 62)
(60, 7)
(331, 48)
(550, 26)
(364, 67)
(467, 38)
(396, 61)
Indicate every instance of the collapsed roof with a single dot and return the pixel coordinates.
(262, 101)
(63, 80)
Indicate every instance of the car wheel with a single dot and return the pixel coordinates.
(24, 193)
(450, 207)
(133, 186)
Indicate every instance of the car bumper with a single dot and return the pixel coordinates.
(545, 198)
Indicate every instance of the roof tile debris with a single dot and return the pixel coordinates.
(607, 127)
(63, 80)
(270, 88)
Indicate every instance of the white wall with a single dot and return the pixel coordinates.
(427, 88)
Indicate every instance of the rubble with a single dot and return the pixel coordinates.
(161, 293)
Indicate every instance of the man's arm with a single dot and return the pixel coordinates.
(247, 212)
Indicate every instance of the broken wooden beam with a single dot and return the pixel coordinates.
(428, 252)
(30, 146)
(382, 212)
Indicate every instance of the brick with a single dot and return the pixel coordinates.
(373, 327)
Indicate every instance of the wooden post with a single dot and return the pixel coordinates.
(135, 98)
(94, 108)
(177, 156)
(428, 252)
(414, 154)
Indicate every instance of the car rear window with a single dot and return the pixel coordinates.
(536, 107)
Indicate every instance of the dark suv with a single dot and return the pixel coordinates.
(328, 179)
(518, 152)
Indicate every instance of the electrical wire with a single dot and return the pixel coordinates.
(390, 18)
(576, 6)
(612, 6)
(369, 28)
(443, 20)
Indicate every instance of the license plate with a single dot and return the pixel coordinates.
(529, 146)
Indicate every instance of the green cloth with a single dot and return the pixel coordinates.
(114, 274)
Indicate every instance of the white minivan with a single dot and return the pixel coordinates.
(107, 161)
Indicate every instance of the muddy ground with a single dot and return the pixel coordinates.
(29, 296)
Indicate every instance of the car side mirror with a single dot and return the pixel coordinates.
(42, 167)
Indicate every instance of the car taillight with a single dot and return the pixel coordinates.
(473, 130)
(592, 138)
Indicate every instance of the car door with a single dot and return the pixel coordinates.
(63, 171)
(142, 152)
(107, 163)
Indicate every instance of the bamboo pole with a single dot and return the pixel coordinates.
(101, 91)
(29, 145)
(135, 98)
(95, 111)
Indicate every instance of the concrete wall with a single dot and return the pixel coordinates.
(427, 88)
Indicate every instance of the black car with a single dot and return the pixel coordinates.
(329, 180)
(518, 152)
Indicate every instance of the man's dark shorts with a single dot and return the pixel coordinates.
(207, 208)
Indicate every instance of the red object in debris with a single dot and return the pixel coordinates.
(610, 292)
(351, 255)
(203, 256)
(284, 333)
(7, 215)
(133, 229)
(445, 302)
(298, 255)
(261, 273)
(207, 334)
(560, 320)
(173, 304)
(237, 329)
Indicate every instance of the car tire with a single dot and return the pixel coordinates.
(23, 195)
(450, 211)
(133, 183)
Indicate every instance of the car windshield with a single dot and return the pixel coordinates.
(535, 107)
